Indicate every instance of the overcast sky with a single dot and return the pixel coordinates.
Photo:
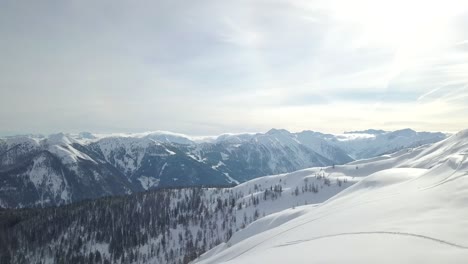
(208, 67)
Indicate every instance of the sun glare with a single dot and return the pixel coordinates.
(414, 30)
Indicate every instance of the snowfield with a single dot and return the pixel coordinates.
(407, 207)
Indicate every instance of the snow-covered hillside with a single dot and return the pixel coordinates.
(408, 207)
(165, 226)
(371, 143)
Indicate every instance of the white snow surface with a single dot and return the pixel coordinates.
(407, 207)
(148, 182)
(47, 181)
(353, 136)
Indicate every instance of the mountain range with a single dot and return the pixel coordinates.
(403, 207)
(38, 171)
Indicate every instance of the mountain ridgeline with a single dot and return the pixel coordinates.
(37, 171)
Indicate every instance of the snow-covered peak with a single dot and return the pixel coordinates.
(461, 135)
(405, 133)
(354, 137)
(23, 140)
(60, 139)
(169, 137)
(275, 131)
(367, 131)
(277, 137)
(160, 136)
(14, 149)
(86, 135)
(125, 142)
(234, 138)
(453, 148)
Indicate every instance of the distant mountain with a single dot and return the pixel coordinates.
(59, 170)
(64, 168)
(371, 143)
(368, 131)
(244, 157)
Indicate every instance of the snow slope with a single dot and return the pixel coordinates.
(371, 143)
(409, 207)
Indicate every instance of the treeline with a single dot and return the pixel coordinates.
(160, 226)
(163, 226)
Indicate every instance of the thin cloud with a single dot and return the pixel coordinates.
(209, 67)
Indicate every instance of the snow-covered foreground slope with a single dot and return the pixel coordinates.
(410, 208)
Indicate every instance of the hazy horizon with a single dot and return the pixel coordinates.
(200, 136)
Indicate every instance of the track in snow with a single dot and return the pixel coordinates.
(449, 178)
(376, 233)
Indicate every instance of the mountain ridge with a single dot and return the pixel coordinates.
(87, 165)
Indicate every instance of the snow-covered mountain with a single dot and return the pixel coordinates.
(406, 207)
(60, 169)
(63, 168)
(372, 143)
(244, 157)
(161, 226)
(410, 203)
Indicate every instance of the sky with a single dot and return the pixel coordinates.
(210, 67)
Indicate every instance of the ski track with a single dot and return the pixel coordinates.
(376, 233)
(355, 233)
(449, 178)
(296, 226)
